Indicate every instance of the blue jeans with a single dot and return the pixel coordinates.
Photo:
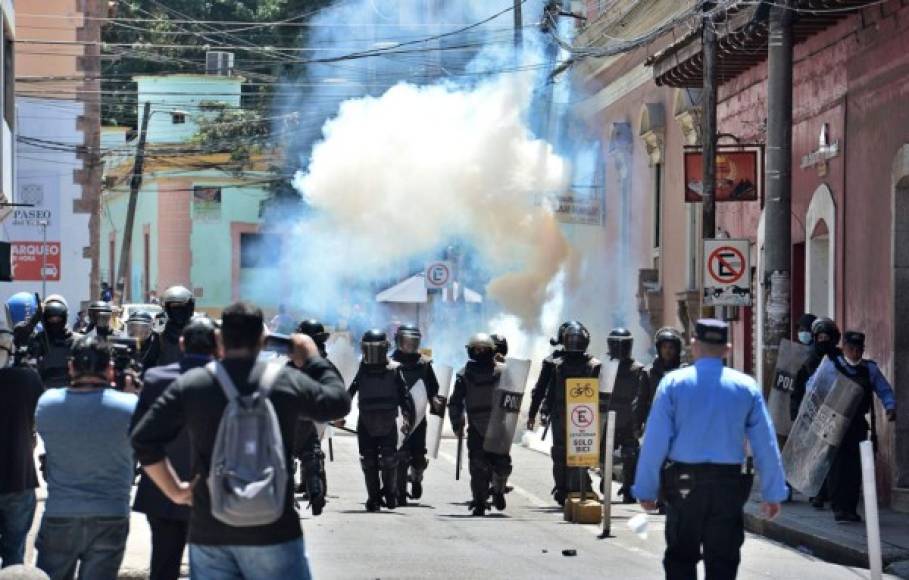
(17, 510)
(270, 562)
(96, 544)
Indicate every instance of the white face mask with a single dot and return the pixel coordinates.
(805, 337)
(851, 362)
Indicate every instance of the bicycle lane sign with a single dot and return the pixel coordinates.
(582, 410)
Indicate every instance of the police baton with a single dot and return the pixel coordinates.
(458, 457)
(331, 450)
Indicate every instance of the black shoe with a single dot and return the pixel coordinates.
(301, 488)
(559, 496)
(402, 500)
(416, 489)
(391, 501)
(373, 505)
(817, 503)
(627, 498)
(847, 518)
(498, 501)
(478, 509)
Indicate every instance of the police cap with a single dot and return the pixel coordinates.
(854, 338)
(711, 331)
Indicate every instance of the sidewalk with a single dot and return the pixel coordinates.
(810, 530)
(814, 531)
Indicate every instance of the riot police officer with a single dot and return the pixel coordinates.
(415, 367)
(307, 444)
(501, 346)
(51, 346)
(179, 306)
(541, 389)
(668, 344)
(574, 363)
(630, 381)
(383, 392)
(99, 319)
(473, 396)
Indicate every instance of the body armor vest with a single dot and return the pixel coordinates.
(480, 383)
(378, 388)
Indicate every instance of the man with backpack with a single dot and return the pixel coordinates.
(241, 415)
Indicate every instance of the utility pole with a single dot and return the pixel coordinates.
(778, 207)
(518, 24)
(134, 185)
(708, 135)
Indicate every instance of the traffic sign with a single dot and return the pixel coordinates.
(439, 275)
(727, 272)
(582, 397)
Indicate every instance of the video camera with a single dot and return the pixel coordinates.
(124, 354)
(278, 343)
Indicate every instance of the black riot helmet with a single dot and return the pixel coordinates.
(54, 314)
(139, 325)
(407, 338)
(575, 337)
(669, 335)
(100, 313)
(501, 344)
(619, 344)
(825, 326)
(481, 349)
(374, 345)
(314, 330)
(558, 339)
(179, 305)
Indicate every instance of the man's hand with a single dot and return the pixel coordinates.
(304, 348)
(405, 426)
(339, 423)
(649, 505)
(531, 423)
(544, 420)
(183, 494)
(458, 429)
(891, 415)
(770, 510)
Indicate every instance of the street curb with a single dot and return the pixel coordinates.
(822, 547)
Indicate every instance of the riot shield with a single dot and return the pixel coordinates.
(435, 420)
(830, 403)
(420, 400)
(506, 406)
(791, 357)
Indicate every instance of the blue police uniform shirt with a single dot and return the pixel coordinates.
(881, 386)
(703, 414)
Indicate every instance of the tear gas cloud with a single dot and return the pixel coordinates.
(408, 163)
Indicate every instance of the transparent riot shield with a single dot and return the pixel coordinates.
(435, 420)
(791, 357)
(830, 403)
(420, 400)
(506, 406)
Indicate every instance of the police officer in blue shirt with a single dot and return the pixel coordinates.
(693, 452)
(845, 477)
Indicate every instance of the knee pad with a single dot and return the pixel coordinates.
(389, 461)
(419, 462)
(479, 467)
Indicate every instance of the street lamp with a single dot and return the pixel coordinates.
(43, 224)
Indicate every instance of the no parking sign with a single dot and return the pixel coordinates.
(582, 411)
(727, 273)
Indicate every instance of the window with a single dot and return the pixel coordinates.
(260, 250)
(177, 118)
(657, 205)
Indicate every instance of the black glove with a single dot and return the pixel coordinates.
(458, 428)
(437, 405)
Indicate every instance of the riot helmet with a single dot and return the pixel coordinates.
(179, 305)
(99, 314)
(139, 325)
(501, 344)
(558, 339)
(407, 338)
(20, 307)
(671, 336)
(619, 344)
(575, 337)
(54, 315)
(314, 330)
(481, 349)
(374, 346)
(826, 335)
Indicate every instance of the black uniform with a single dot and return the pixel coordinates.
(52, 353)
(631, 380)
(382, 391)
(414, 367)
(540, 393)
(163, 347)
(655, 373)
(473, 395)
(571, 365)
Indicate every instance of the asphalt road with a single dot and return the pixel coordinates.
(437, 538)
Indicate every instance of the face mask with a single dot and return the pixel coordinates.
(851, 362)
(805, 337)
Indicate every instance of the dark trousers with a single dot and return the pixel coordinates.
(378, 454)
(704, 519)
(415, 447)
(564, 480)
(844, 481)
(17, 510)
(95, 544)
(485, 467)
(168, 542)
